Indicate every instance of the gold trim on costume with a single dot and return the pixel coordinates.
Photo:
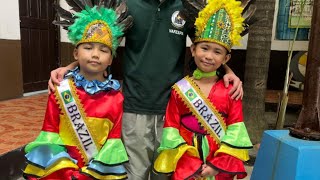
(194, 112)
(67, 130)
(241, 154)
(99, 176)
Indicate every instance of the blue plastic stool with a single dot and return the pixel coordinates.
(283, 157)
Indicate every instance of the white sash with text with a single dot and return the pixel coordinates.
(76, 119)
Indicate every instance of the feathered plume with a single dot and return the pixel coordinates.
(75, 5)
(68, 17)
(193, 7)
(191, 10)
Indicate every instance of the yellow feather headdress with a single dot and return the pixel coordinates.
(220, 22)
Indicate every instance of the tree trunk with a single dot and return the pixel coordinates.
(256, 69)
(307, 126)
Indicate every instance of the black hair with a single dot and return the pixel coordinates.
(108, 71)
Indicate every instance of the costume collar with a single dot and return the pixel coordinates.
(198, 74)
(95, 86)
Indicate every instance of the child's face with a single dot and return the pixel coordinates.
(93, 58)
(209, 56)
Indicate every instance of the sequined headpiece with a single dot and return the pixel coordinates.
(220, 22)
(95, 21)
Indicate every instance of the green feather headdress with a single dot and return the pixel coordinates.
(103, 21)
(219, 21)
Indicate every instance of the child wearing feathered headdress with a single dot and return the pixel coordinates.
(81, 133)
(204, 135)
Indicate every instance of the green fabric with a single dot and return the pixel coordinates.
(112, 152)
(170, 139)
(198, 74)
(205, 148)
(45, 138)
(218, 27)
(85, 17)
(237, 136)
(154, 56)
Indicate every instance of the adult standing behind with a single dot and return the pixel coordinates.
(153, 61)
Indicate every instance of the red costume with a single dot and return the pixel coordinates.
(182, 130)
(57, 154)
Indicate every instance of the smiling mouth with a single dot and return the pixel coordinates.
(207, 63)
(93, 62)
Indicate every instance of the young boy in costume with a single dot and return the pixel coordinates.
(204, 136)
(81, 133)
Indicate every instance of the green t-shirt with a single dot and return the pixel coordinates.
(154, 55)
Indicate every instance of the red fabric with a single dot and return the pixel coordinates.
(32, 178)
(80, 176)
(186, 167)
(228, 163)
(101, 105)
(224, 176)
(62, 174)
(232, 111)
(75, 154)
(218, 96)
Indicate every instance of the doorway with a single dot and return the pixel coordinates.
(39, 43)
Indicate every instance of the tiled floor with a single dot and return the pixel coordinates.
(20, 121)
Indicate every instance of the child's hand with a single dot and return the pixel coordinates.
(56, 76)
(236, 91)
(208, 171)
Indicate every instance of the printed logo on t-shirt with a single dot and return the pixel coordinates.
(177, 20)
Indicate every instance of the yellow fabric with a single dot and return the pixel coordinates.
(98, 176)
(99, 128)
(195, 142)
(61, 164)
(242, 154)
(101, 35)
(168, 159)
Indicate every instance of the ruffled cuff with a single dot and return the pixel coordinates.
(187, 167)
(167, 160)
(46, 159)
(46, 155)
(242, 154)
(228, 165)
(101, 171)
(44, 138)
(35, 171)
(112, 153)
(170, 139)
(237, 136)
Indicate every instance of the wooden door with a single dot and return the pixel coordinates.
(39, 43)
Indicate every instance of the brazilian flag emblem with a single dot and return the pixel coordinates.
(190, 94)
(67, 97)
